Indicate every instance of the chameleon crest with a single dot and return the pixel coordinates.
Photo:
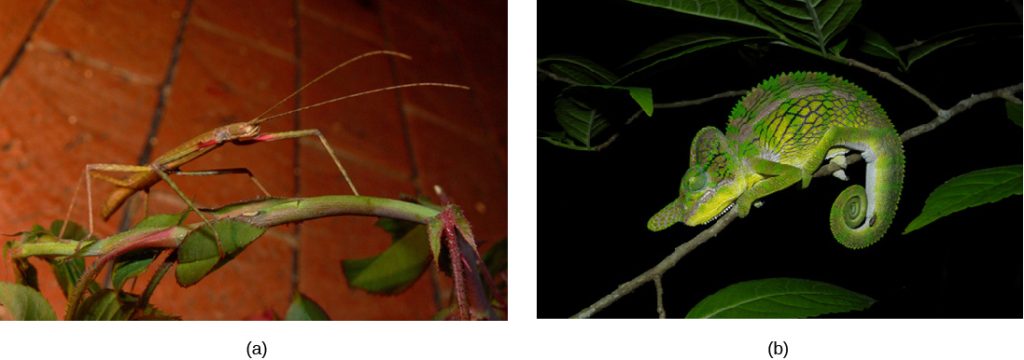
(779, 134)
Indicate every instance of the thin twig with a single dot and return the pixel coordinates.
(661, 296)
(655, 273)
(887, 76)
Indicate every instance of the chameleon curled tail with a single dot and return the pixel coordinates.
(860, 216)
(778, 135)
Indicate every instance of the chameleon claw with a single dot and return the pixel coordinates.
(840, 174)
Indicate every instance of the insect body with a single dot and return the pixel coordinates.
(142, 177)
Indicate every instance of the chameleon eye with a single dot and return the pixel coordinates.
(695, 180)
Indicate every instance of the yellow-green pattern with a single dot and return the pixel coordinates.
(780, 133)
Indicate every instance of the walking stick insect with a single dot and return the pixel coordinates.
(142, 177)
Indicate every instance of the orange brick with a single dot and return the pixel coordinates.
(15, 20)
(144, 32)
(262, 23)
(356, 18)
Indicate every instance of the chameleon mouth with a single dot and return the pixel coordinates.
(727, 208)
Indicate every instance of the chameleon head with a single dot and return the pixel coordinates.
(709, 187)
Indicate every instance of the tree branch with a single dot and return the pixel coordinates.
(655, 273)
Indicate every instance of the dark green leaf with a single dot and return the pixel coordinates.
(919, 52)
(129, 269)
(681, 45)
(1013, 112)
(779, 298)
(197, 255)
(25, 273)
(393, 270)
(304, 308)
(875, 44)
(559, 139)
(397, 228)
(815, 22)
(727, 10)
(25, 303)
(972, 189)
(497, 257)
(958, 37)
(580, 122)
(576, 70)
(838, 48)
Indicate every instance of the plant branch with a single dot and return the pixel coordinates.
(661, 297)
(887, 76)
(655, 273)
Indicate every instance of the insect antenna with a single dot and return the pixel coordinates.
(257, 120)
(361, 93)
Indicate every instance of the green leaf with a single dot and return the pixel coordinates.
(304, 308)
(197, 255)
(434, 229)
(580, 122)
(72, 232)
(680, 45)
(559, 139)
(972, 189)
(25, 303)
(129, 269)
(162, 221)
(397, 228)
(393, 270)
(67, 272)
(960, 36)
(875, 44)
(727, 10)
(815, 22)
(916, 53)
(838, 48)
(643, 97)
(779, 298)
(1013, 112)
(576, 70)
(103, 305)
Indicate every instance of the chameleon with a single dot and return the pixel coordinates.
(779, 134)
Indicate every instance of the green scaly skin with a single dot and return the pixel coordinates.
(779, 134)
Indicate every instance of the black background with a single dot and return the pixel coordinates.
(593, 207)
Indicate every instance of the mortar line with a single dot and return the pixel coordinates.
(297, 146)
(24, 42)
(163, 92)
(435, 282)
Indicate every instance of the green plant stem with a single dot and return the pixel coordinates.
(262, 213)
